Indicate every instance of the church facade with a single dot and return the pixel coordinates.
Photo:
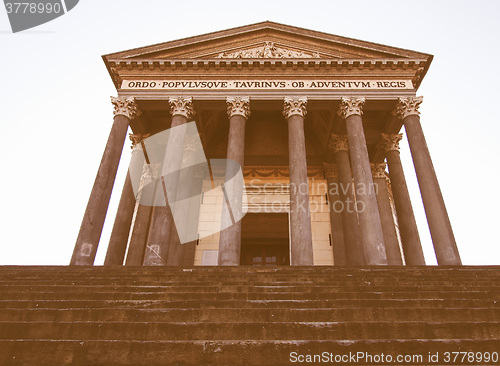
(311, 120)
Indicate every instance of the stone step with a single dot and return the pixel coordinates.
(248, 315)
(216, 280)
(237, 352)
(381, 272)
(16, 288)
(249, 331)
(289, 303)
(242, 315)
(251, 295)
(200, 276)
(6, 286)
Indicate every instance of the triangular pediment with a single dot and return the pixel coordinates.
(266, 40)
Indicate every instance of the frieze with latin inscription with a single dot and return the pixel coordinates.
(266, 85)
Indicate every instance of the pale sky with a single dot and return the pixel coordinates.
(56, 111)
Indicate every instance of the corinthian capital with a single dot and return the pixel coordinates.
(181, 106)
(238, 106)
(125, 106)
(293, 106)
(378, 170)
(338, 143)
(389, 141)
(350, 106)
(137, 138)
(407, 107)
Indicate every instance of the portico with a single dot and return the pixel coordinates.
(306, 116)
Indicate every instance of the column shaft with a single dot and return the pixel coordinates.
(354, 247)
(95, 213)
(300, 218)
(370, 226)
(443, 239)
(158, 243)
(121, 228)
(230, 238)
(387, 219)
(410, 238)
(137, 246)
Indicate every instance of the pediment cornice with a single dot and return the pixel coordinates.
(264, 46)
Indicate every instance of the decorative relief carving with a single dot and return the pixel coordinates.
(350, 106)
(268, 50)
(278, 171)
(238, 106)
(407, 107)
(293, 106)
(378, 170)
(125, 106)
(338, 143)
(181, 106)
(389, 141)
(331, 171)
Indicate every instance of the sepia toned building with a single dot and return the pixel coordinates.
(264, 219)
(313, 120)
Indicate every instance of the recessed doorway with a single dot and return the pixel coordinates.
(264, 239)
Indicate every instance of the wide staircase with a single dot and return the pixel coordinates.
(249, 315)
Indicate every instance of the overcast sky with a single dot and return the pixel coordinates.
(56, 114)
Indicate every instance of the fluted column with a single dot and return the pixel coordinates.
(386, 216)
(95, 213)
(300, 217)
(369, 219)
(238, 111)
(410, 238)
(162, 220)
(347, 205)
(435, 209)
(332, 180)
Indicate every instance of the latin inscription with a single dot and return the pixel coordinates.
(264, 84)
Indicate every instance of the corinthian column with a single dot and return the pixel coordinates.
(238, 111)
(386, 217)
(162, 220)
(435, 209)
(347, 205)
(95, 213)
(370, 226)
(332, 180)
(300, 217)
(123, 220)
(410, 239)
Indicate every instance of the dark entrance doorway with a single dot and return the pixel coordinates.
(264, 239)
